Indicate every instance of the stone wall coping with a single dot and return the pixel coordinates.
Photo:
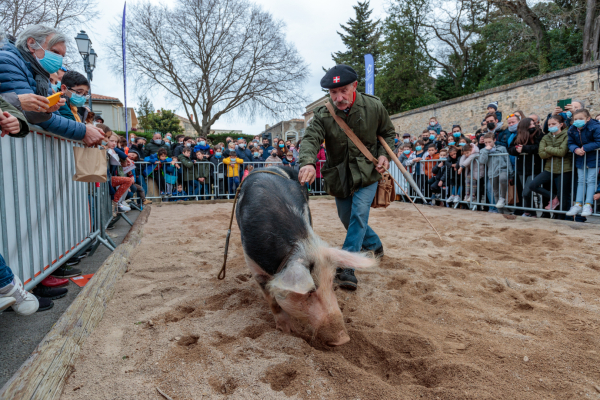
(503, 88)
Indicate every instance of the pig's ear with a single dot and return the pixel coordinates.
(294, 278)
(346, 259)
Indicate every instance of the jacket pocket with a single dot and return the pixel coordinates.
(336, 180)
(368, 174)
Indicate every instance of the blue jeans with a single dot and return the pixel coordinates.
(490, 194)
(234, 182)
(354, 214)
(586, 183)
(6, 275)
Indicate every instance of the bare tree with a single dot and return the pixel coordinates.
(215, 57)
(18, 14)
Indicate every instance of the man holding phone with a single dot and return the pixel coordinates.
(564, 108)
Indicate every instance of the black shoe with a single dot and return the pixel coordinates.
(50, 293)
(377, 253)
(345, 278)
(73, 261)
(45, 303)
(66, 272)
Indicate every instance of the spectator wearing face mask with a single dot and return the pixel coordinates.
(242, 151)
(567, 113)
(434, 125)
(295, 148)
(513, 122)
(140, 147)
(495, 126)
(281, 149)
(273, 159)
(427, 140)
(219, 167)
(156, 144)
(415, 159)
(289, 160)
(267, 149)
(203, 146)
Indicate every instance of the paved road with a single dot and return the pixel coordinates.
(21, 335)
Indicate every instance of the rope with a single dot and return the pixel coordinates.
(222, 273)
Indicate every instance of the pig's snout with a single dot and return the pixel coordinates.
(343, 338)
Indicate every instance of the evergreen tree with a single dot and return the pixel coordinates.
(361, 37)
(404, 81)
(145, 109)
(165, 121)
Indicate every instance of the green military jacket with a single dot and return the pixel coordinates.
(554, 150)
(6, 106)
(347, 169)
(189, 172)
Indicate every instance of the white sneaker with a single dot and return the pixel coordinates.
(6, 302)
(124, 207)
(25, 302)
(450, 199)
(587, 210)
(501, 203)
(576, 209)
(457, 199)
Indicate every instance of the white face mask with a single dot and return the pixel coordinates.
(406, 140)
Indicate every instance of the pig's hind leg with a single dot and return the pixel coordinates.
(282, 319)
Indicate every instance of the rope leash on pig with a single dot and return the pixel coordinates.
(222, 273)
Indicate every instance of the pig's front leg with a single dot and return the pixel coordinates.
(282, 319)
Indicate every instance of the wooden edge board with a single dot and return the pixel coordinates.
(42, 376)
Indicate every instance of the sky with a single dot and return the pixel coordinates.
(311, 26)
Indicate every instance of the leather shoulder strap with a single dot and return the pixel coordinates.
(350, 133)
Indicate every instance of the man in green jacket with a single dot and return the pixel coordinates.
(348, 174)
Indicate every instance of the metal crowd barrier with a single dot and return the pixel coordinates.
(562, 186)
(45, 216)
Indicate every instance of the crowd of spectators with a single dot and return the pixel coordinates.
(520, 165)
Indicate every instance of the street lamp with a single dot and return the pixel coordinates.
(84, 45)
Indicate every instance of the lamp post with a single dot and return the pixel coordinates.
(84, 45)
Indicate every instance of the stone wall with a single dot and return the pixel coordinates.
(536, 95)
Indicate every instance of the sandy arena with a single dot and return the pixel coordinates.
(500, 309)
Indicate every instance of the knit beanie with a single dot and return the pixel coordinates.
(493, 105)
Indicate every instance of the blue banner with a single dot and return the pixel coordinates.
(123, 36)
(369, 75)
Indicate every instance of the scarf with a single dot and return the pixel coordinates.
(41, 76)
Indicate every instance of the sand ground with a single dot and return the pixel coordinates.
(499, 309)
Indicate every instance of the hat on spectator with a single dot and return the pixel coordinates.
(136, 152)
(98, 118)
(493, 105)
(338, 76)
(406, 135)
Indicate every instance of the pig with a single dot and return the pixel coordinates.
(292, 265)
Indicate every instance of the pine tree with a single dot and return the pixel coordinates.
(361, 37)
(145, 109)
(165, 121)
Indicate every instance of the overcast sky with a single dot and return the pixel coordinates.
(311, 27)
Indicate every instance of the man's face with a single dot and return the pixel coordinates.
(342, 97)
(576, 106)
(58, 48)
(535, 119)
(512, 121)
(266, 142)
(156, 136)
(490, 119)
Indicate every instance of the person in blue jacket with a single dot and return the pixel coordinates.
(584, 142)
(25, 69)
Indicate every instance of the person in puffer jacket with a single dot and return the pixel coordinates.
(25, 70)
(499, 167)
(473, 170)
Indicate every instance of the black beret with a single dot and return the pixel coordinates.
(338, 76)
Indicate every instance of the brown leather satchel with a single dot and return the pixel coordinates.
(386, 193)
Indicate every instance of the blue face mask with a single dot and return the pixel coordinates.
(396, 140)
(77, 100)
(451, 143)
(218, 154)
(513, 128)
(202, 143)
(431, 137)
(256, 154)
(553, 129)
(406, 151)
(281, 145)
(456, 134)
(579, 123)
(462, 144)
(56, 87)
(51, 61)
(569, 114)
(418, 148)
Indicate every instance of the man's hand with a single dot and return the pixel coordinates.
(441, 184)
(383, 164)
(33, 102)
(9, 123)
(580, 152)
(597, 196)
(557, 110)
(58, 105)
(93, 136)
(307, 174)
(201, 180)
(417, 159)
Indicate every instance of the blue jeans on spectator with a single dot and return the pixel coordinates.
(354, 214)
(490, 194)
(234, 182)
(199, 188)
(586, 185)
(6, 275)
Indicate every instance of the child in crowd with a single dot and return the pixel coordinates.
(190, 179)
(115, 172)
(415, 159)
(471, 169)
(584, 141)
(493, 108)
(247, 171)
(137, 187)
(202, 173)
(453, 176)
(499, 167)
(438, 182)
(434, 125)
(404, 155)
(179, 194)
(171, 172)
(233, 172)
(289, 159)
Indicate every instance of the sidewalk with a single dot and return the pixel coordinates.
(21, 335)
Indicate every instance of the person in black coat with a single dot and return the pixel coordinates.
(528, 164)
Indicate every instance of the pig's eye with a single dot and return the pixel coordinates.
(311, 267)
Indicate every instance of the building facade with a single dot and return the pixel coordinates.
(310, 109)
(287, 130)
(113, 113)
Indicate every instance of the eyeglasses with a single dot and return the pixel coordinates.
(80, 93)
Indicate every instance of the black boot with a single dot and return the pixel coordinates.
(50, 293)
(346, 279)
